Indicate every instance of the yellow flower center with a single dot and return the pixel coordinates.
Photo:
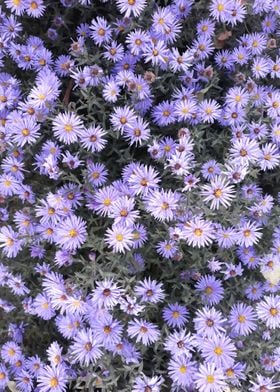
(11, 352)
(53, 382)
(247, 233)
(119, 237)
(34, 5)
(198, 232)
(218, 350)
(218, 193)
(183, 369)
(73, 233)
(68, 128)
(2, 375)
(7, 183)
(220, 7)
(9, 242)
(208, 290)
(210, 379)
(241, 318)
(107, 202)
(273, 312)
(175, 314)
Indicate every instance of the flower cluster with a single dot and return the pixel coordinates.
(139, 195)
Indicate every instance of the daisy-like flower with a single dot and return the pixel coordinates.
(181, 371)
(175, 315)
(119, 237)
(260, 67)
(268, 157)
(210, 289)
(162, 204)
(248, 234)
(4, 377)
(185, 108)
(128, 7)
(71, 233)
(108, 330)
(137, 133)
(210, 170)
(86, 347)
(209, 378)
(107, 294)
(143, 179)
(149, 291)
(209, 322)
(244, 151)
(180, 343)
(219, 192)
(268, 311)
(157, 52)
(198, 232)
(101, 31)
(67, 127)
(123, 118)
(144, 332)
(92, 138)
(263, 383)
(209, 111)
(11, 352)
(9, 241)
(143, 383)
(226, 237)
(52, 379)
(43, 307)
(123, 211)
(24, 381)
(25, 130)
(237, 96)
(242, 319)
(35, 8)
(9, 185)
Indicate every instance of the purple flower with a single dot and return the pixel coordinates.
(71, 233)
(175, 315)
(52, 379)
(143, 383)
(268, 311)
(144, 332)
(107, 294)
(210, 378)
(210, 289)
(134, 7)
(86, 347)
(209, 322)
(67, 127)
(149, 291)
(242, 319)
(181, 371)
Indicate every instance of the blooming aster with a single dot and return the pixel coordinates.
(219, 192)
(209, 378)
(143, 383)
(143, 331)
(268, 311)
(71, 233)
(52, 379)
(86, 347)
(67, 127)
(198, 232)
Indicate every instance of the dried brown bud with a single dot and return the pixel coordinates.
(149, 76)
